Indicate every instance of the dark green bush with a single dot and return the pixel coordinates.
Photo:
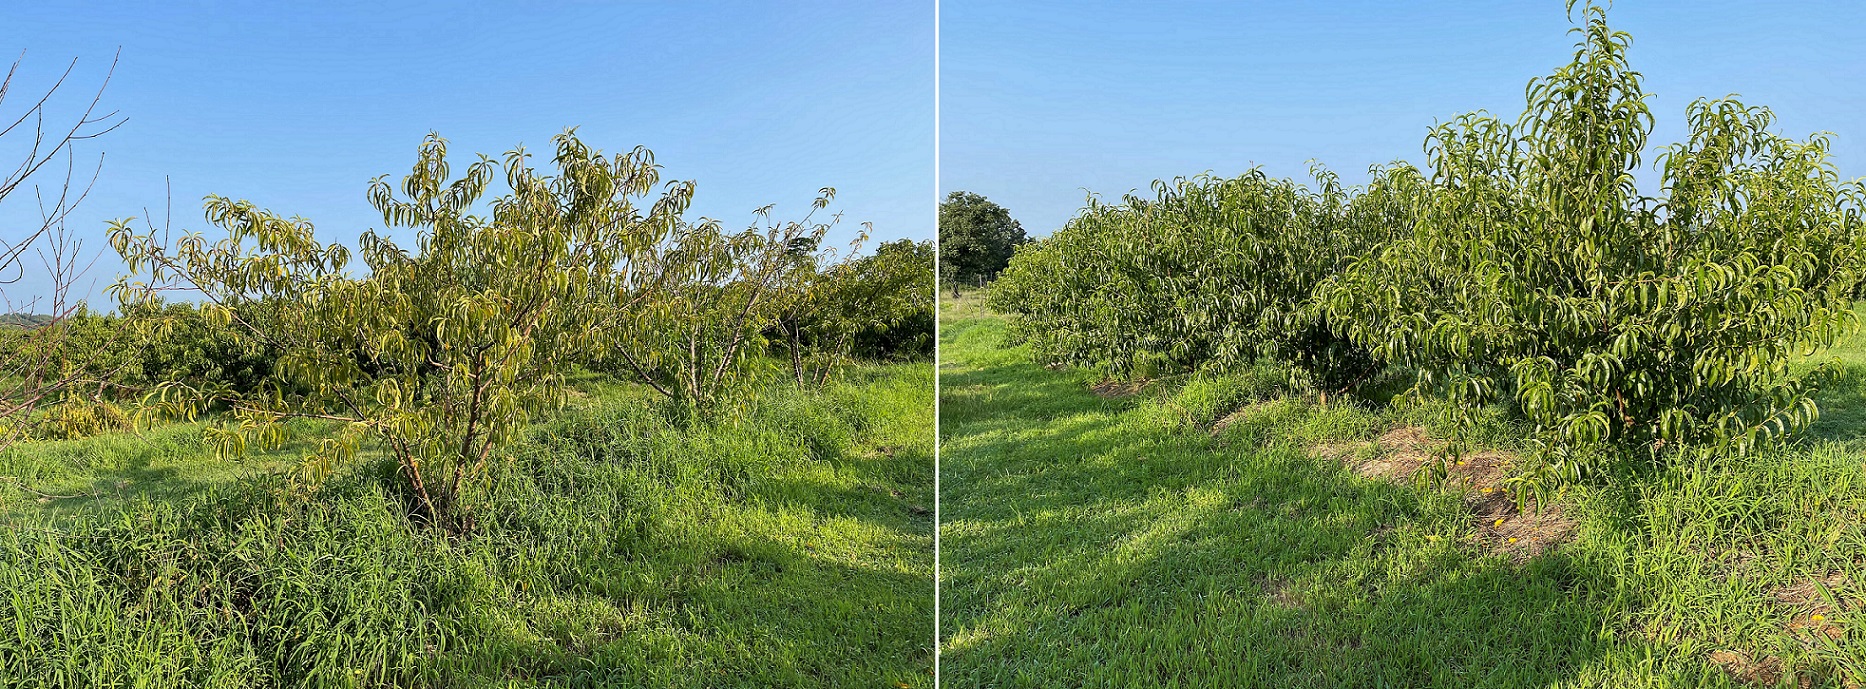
(877, 307)
(1208, 272)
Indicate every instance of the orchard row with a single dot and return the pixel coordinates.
(1521, 265)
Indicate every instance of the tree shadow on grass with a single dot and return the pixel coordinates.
(1842, 401)
(815, 576)
(156, 470)
(863, 487)
(1083, 545)
(737, 612)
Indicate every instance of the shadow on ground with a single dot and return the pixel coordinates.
(1085, 543)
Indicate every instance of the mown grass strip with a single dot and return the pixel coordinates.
(1116, 541)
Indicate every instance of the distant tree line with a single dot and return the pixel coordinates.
(976, 240)
(25, 321)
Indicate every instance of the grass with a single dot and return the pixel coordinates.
(1100, 541)
(617, 549)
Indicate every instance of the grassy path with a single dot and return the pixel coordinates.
(1117, 541)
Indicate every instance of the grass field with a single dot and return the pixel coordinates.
(619, 549)
(1201, 532)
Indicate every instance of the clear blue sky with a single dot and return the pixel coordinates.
(297, 108)
(1041, 100)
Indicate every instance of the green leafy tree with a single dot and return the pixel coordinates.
(441, 353)
(874, 306)
(901, 311)
(182, 342)
(1207, 272)
(691, 326)
(91, 357)
(976, 239)
(1534, 269)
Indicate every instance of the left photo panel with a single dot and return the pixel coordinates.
(428, 345)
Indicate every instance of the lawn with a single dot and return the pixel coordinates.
(790, 545)
(1213, 531)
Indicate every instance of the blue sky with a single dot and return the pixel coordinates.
(1042, 100)
(297, 109)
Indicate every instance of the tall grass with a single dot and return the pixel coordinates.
(789, 545)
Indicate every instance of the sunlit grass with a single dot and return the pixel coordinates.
(1091, 541)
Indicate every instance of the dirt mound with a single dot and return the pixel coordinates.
(1401, 452)
(1501, 525)
(1340, 452)
(1246, 412)
(1741, 667)
(1509, 530)
(1117, 388)
(1405, 438)
(1811, 610)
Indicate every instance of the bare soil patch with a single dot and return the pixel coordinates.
(1340, 452)
(1502, 525)
(1509, 530)
(1118, 388)
(1278, 592)
(1805, 595)
(1811, 612)
(1401, 452)
(1741, 667)
(1505, 527)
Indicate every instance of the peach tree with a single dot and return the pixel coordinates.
(1206, 272)
(440, 351)
(693, 328)
(861, 305)
(1534, 270)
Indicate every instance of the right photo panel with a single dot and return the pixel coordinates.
(1402, 344)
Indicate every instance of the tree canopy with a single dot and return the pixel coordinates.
(976, 238)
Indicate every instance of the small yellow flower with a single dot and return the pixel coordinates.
(1512, 539)
(1820, 618)
(1498, 522)
(1489, 490)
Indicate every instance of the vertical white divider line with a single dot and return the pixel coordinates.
(936, 348)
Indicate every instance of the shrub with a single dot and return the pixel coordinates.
(891, 296)
(179, 342)
(77, 418)
(688, 321)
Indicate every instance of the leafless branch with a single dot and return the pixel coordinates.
(35, 367)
